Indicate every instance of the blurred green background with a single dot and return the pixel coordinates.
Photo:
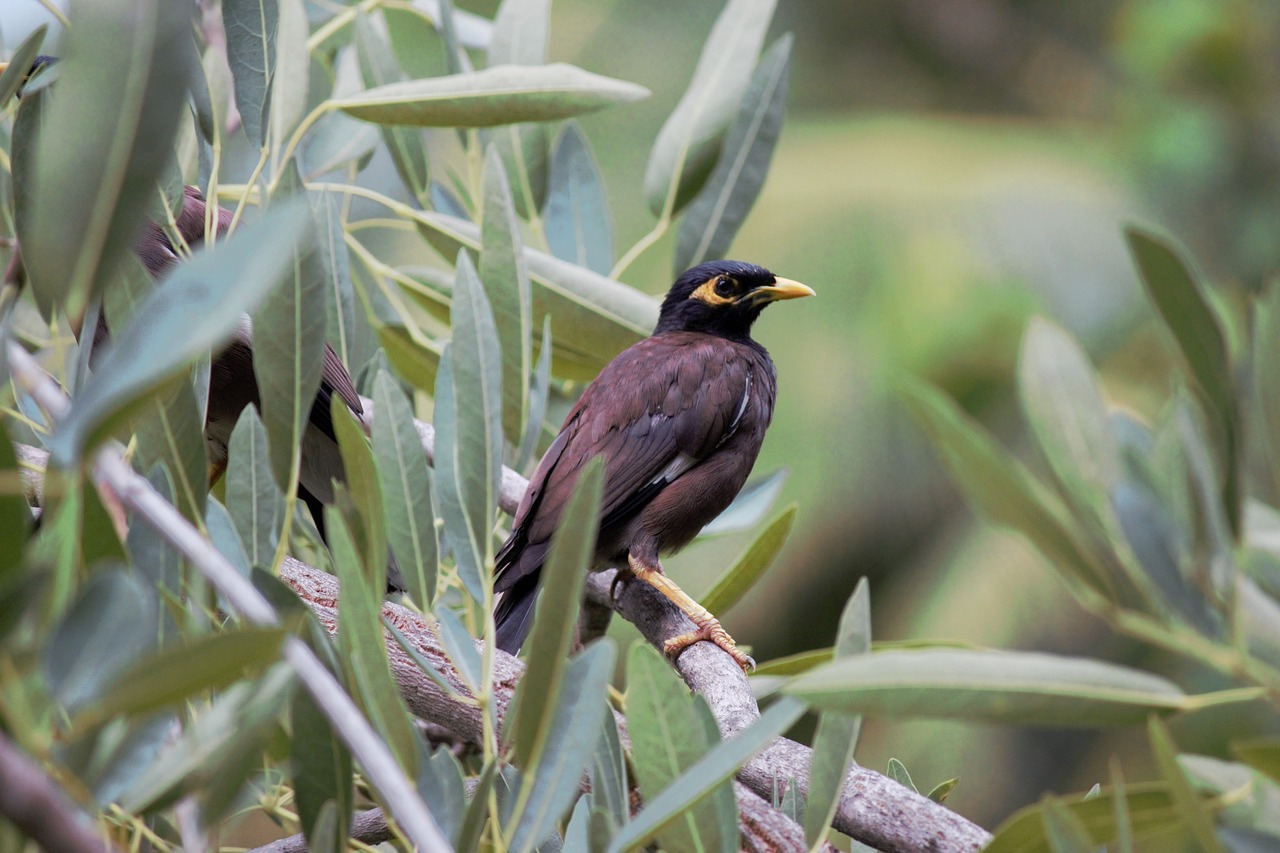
(948, 169)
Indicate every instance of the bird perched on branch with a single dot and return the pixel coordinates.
(678, 419)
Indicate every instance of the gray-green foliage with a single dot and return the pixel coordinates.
(479, 289)
(1163, 527)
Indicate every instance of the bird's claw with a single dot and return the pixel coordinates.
(620, 576)
(712, 632)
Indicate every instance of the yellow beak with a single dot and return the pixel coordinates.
(782, 288)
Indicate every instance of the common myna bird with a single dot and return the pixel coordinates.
(232, 384)
(678, 419)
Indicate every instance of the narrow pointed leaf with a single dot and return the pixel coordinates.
(322, 777)
(670, 731)
(253, 498)
(406, 490)
(363, 649)
(291, 77)
(107, 136)
(521, 29)
(1174, 289)
(1193, 813)
(504, 94)
(251, 27)
(407, 147)
(1063, 830)
(1022, 687)
(837, 734)
(698, 781)
(460, 646)
(288, 354)
(440, 782)
(364, 511)
(506, 283)
(539, 396)
(15, 512)
(172, 433)
(897, 771)
(689, 142)
(577, 221)
(531, 719)
(714, 216)
(109, 626)
(211, 662)
(1002, 488)
(199, 307)
(572, 734)
(20, 61)
(609, 788)
(477, 385)
(751, 564)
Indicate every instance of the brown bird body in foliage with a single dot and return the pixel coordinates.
(678, 420)
(232, 383)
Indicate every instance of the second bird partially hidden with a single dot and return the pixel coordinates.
(678, 420)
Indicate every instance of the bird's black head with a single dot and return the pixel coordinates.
(723, 298)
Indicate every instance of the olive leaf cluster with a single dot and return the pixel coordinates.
(1165, 529)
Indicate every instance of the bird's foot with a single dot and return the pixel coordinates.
(620, 576)
(712, 632)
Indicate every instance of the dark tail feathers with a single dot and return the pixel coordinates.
(514, 614)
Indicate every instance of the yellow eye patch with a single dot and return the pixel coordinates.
(718, 290)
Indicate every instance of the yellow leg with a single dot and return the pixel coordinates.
(708, 626)
(216, 470)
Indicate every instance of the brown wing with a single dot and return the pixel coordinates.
(653, 413)
(156, 250)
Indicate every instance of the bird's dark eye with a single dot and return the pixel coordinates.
(725, 287)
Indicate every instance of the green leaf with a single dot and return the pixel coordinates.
(460, 646)
(364, 510)
(347, 328)
(165, 679)
(222, 533)
(751, 564)
(1064, 406)
(1149, 806)
(253, 498)
(555, 623)
(593, 317)
(477, 385)
(504, 94)
(107, 135)
(1175, 291)
(793, 664)
(442, 788)
(689, 142)
(521, 29)
(322, 777)
(939, 792)
(172, 433)
(554, 780)
(718, 211)
(897, 771)
(406, 490)
(251, 27)
(506, 283)
(290, 79)
(577, 221)
(20, 62)
(149, 552)
(670, 731)
(288, 353)
(609, 788)
(1265, 362)
(1191, 811)
(1063, 830)
(539, 397)
(407, 147)
(110, 625)
(837, 733)
(200, 305)
(1002, 488)
(362, 647)
(414, 362)
(476, 818)
(234, 729)
(1261, 754)
(1015, 687)
(711, 770)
